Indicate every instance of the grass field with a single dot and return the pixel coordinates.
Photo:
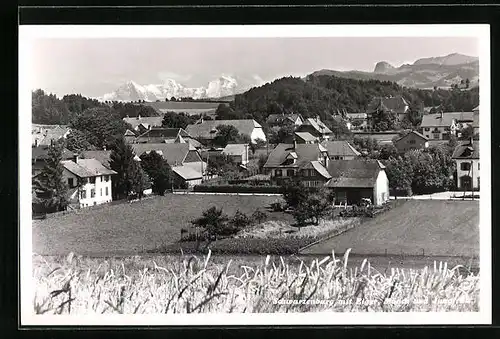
(132, 228)
(440, 228)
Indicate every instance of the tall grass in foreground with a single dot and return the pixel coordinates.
(197, 284)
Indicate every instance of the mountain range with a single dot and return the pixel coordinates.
(223, 86)
(424, 73)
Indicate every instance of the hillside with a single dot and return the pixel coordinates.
(424, 73)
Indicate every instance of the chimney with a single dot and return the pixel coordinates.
(75, 157)
(104, 147)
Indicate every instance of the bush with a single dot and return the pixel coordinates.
(240, 220)
(258, 216)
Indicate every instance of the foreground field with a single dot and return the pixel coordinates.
(414, 227)
(198, 284)
(133, 228)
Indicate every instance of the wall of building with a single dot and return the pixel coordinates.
(99, 186)
(406, 144)
(257, 133)
(474, 173)
(381, 189)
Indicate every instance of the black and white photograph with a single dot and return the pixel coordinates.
(257, 174)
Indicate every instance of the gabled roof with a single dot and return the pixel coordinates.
(194, 143)
(147, 121)
(306, 136)
(42, 153)
(208, 128)
(318, 125)
(466, 150)
(358, 173)
(305, 153)
(357, 115)
(476, 108)
(235, 149)
(339, 148)
(187, 172)
(45, 134)
(418, 134)
(129, 133)
(102, 156)
(318, 167)
(279, 118)
(167, 133)
(85, 168)
(435, 120)
(396, 104)
(172, 152)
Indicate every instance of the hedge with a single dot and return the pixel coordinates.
(271, 246)
(238, 189)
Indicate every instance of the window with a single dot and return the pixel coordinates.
(83, 194)
(278, 173)
(71, 182)
(101, 192)
(478, 166)
(290, 173)
(107, 193)
(465, 166)
(436, 135)
(92, 180)
(446, 136)
(106, 178)
(412, 142)
(92, 192)
(427, 129)
(84, 181)
(477, 182)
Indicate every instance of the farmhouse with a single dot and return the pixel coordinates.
(142, 124)
(353, 180)
(466, 156)
(40, 153)
(441, 126)
(206, 130)
(412, 140)
(129, 136)
(237, 152)
(397, 105)
(45, 135)
(340, 150)
(316, 128)
(357, 121)
(305, 138)
(306, 161)
(88, 180)
(279, 120)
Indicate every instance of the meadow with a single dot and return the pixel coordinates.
(195, 284)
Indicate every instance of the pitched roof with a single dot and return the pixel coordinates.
(359, 173)
(45, 134)
(102, 156)
(339, 148)
(42, 153)
(476, 108)
(435, 120)
(172, 152)
(208, 128)
(415, 133)
(235, 149)
(279, 118)
(396, 104)
(85, 168)
(305, 153)
(194, 143)
(306, 136)
(466, 150)
(357, 115)
(129, 133)
(187, 172)
(318, 125)
(320, 169)
(147, 121)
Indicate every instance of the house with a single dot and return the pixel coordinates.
(412, 140)
(45, 135)
(306, 161)
(475, 122)
(305, 138)
(278, 120)
(441, 126)
(316, 128)
(89, 182)
(383, 138)
(40, 153)
(395, 104)
(159, 135)
(129, 136)
(340, 150)
(186, 176)
(206, 130)
(103, 156)
(142, 124)
(353, 180)
(357, 121)
(237, 152)
(466, 156)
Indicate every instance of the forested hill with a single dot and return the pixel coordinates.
(324, 95)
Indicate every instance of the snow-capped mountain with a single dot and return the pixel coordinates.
(225, 85)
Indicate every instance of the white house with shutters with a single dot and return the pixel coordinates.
(89, 182)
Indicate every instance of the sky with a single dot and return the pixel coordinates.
(93, 67)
